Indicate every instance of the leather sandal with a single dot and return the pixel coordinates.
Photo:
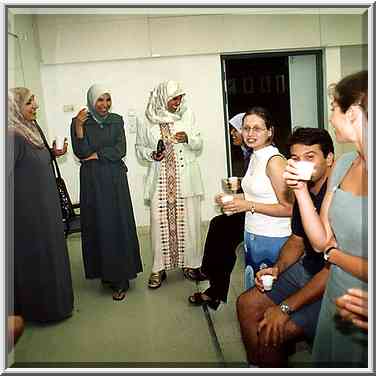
(118, 294)
(156, 279)
(198, 300)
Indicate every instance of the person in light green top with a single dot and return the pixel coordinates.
(341, 230)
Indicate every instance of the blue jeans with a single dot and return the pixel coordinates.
(260, 252)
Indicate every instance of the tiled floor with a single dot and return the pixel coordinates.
(151, 328)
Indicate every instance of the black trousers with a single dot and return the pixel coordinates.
(224, 235)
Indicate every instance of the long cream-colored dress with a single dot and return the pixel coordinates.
(173, 188)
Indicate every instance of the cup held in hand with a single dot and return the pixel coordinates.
(227, 198)
(234, 183)
(59, 142)
(305, 170)
(231, 184)
(267, 281)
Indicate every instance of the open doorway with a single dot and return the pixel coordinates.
(288, 84)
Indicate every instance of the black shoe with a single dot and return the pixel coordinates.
(198, 300)
(194, 274)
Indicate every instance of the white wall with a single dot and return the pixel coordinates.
(131, 82)
(71, 52)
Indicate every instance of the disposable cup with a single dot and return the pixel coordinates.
(234, 183)
(227, 198)
(305, 169)
(267, 281)
(59, 141)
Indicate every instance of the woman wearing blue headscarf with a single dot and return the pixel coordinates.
(109, 240)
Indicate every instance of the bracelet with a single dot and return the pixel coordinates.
(327, 252)
(253, 208)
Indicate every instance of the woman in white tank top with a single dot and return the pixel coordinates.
(266, 199)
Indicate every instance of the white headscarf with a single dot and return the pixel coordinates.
(237, 121)
(156, 109)
(94, 92)
(17, 99)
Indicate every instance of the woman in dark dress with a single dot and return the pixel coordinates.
(109, 239)
(42, 277)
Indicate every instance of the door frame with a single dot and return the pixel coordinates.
(318, 52)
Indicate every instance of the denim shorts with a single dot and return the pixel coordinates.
(260, 252)
(288, 283)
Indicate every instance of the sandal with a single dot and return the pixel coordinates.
(156, 279)
(118, 294)
(198, 300)
(194, 274)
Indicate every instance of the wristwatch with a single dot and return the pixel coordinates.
(327, 253)
(285, 308)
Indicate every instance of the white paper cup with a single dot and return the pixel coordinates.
(305, 169)
(227, 198)
(234, 183)
(59, 142)
(267, 281)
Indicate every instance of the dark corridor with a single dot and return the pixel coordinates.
(259, 81)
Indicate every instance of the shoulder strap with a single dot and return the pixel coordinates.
(55, 166)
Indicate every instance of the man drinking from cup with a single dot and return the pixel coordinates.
(271, 320)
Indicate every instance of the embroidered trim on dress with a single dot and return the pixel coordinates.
(171, 205)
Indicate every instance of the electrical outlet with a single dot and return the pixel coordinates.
(68, 108)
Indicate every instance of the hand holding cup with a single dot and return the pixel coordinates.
(81, 117)
(297, 173)
(59, 146)
(225, 199)
(265, 278)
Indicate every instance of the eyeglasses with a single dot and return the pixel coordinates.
(254, 129)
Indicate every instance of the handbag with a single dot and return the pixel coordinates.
(67, 210)
(65, 202)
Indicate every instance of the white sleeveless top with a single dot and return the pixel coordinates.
(257, 187)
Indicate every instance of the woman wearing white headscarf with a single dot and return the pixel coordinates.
(109, 240)
(42, 277)
(173, 183)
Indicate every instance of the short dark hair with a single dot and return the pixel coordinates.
(311, 136)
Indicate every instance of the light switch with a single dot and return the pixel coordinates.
(132, 121)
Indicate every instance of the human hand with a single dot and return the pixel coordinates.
(274, 271)
(291, 176)
(181, 137)
(218, 199)
(157, 156)
(59, 152)
(81, 118)
(92, 156)
(237, 205)
(271, 327)
(353, 306)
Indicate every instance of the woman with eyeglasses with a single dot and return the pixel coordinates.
(266, 199)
